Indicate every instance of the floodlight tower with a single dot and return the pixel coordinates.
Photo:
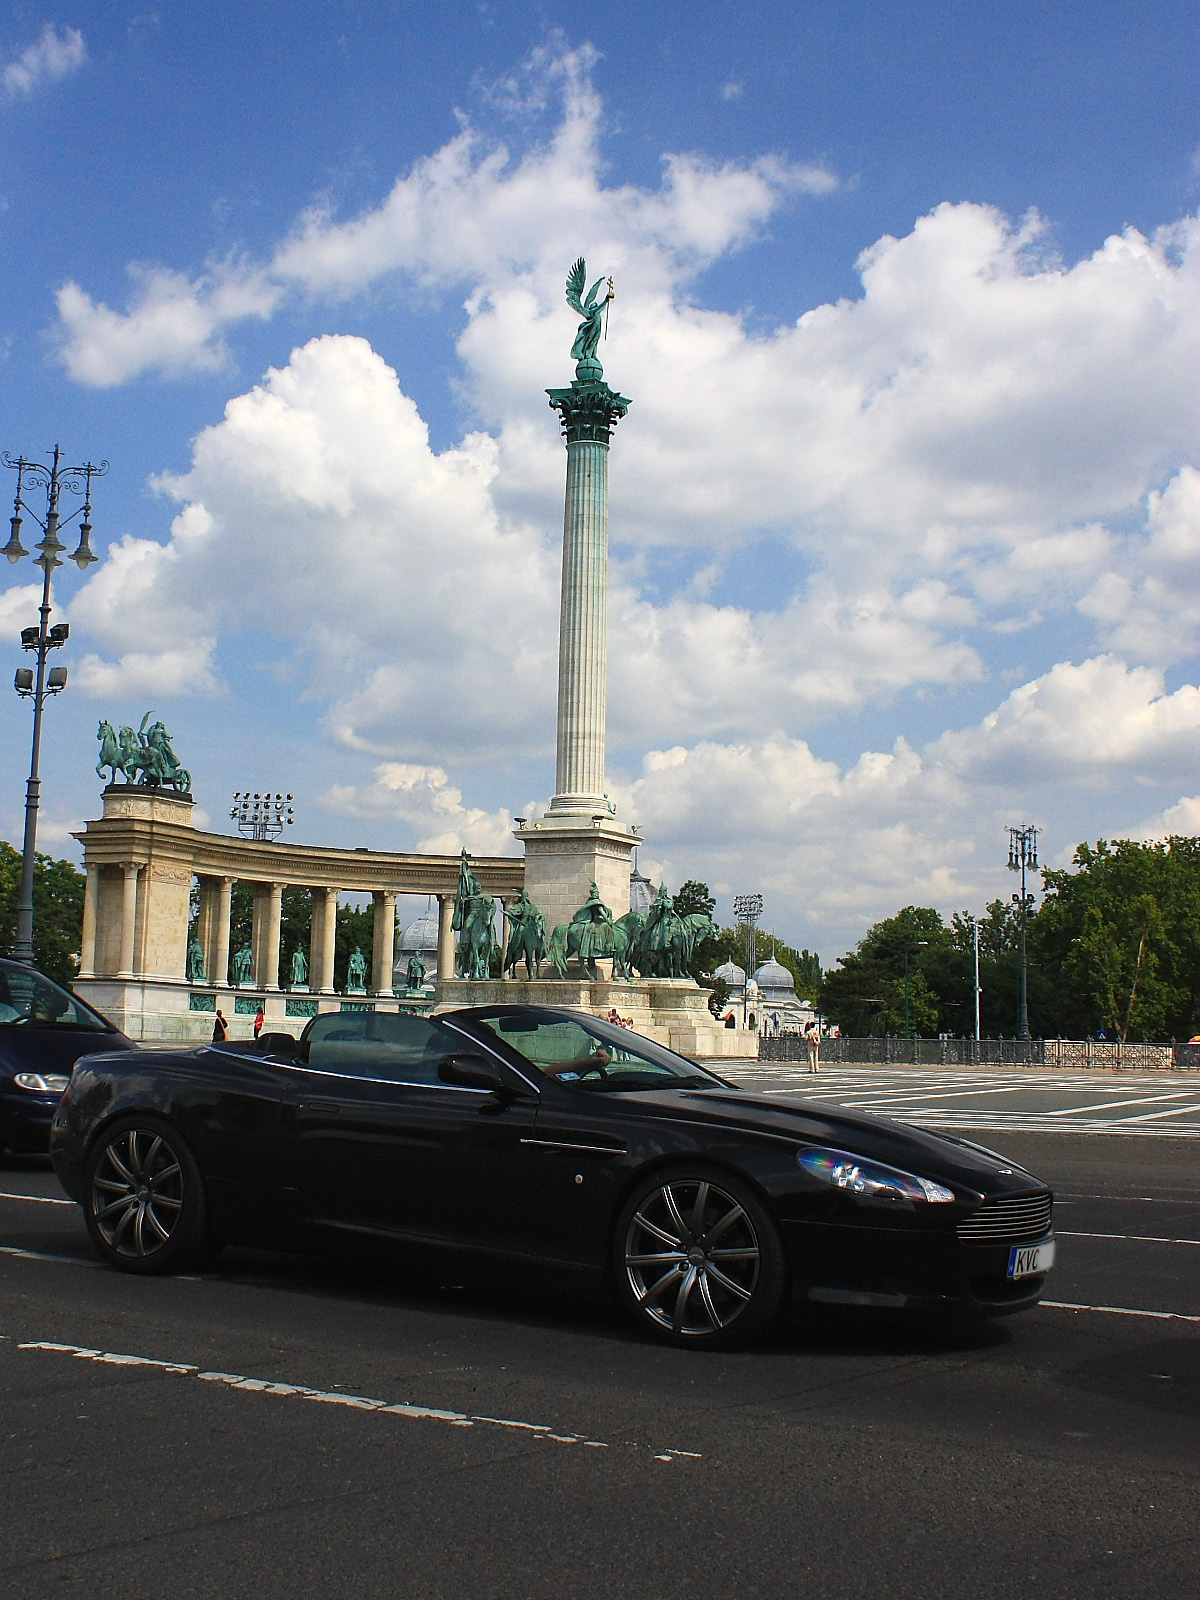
(261, 815)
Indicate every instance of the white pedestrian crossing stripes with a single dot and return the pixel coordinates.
(1023, 1100)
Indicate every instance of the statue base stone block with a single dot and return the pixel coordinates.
(671, 1011)
(565, 852)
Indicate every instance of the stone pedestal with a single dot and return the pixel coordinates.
(671, 1011)
(564, 853)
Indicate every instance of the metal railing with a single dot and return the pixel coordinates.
(1098, 1054)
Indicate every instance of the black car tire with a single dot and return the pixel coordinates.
(698, 1259)
(143, 1198)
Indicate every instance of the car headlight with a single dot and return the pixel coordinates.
(871, 1180)
(42, 1082)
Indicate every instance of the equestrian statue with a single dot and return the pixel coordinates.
(145, 757)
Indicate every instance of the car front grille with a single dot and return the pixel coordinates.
(1025, 1216)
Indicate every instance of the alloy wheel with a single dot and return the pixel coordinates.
(692, 1258)
(137, 1193)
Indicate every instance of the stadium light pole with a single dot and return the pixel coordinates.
(747, 908)
(1022, 855)
(39, 684)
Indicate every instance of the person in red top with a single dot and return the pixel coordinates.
(258, 1022)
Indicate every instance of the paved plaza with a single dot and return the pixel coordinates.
(1017, 1100)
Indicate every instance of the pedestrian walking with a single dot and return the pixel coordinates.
(220, 1027)
(258, 1022)
(812, 1038)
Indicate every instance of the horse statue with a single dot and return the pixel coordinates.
(668, 940)
(588, 937)
(143, 757)
(627, 944)
(526, 936)
(112, 751)
(475, 922)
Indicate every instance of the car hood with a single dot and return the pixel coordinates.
(818, 1122)
(54, 1049)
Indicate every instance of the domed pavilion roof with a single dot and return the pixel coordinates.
(733, 975)
(775, 981)
(423, 933)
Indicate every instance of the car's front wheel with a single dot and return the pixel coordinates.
(143, 1198)
(699, 1261)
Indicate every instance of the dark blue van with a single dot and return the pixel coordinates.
(44, 1029)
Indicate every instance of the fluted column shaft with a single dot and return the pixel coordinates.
(583, 625)
(87, 946)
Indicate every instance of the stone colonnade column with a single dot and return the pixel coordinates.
(87, 947)
(128, 919)
(383, 954)
(445, 956)
(218, 972)
(323, 940)
(273, 906)
(589, 410)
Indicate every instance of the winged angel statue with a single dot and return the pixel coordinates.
(587, 337)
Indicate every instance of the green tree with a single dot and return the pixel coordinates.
(57, 911)
(1121, 933)
(864, 993)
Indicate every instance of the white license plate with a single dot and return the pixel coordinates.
(1027, 1260)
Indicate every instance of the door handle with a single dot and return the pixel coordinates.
(329, 1107)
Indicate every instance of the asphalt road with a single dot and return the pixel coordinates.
(292, 1427)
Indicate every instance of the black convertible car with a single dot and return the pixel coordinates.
(543, 1134)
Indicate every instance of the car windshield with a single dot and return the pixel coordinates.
(28, 999)
(584, 1053)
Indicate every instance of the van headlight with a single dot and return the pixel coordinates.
(871, 1180)
(42, 1082)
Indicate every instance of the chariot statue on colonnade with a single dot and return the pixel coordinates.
(145, 757)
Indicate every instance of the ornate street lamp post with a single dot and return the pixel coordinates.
(1022, 854)
(39, 684)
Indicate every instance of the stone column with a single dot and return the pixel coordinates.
(446, 966)
(218, 972)
(128, 919)
(323, 945)
(383, 953)
(273, 911)
(87, 947)
(589, 410)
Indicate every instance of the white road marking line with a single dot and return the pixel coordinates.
(1121, 1311)
(37, 1199)
(1137, 1100)
(353, 1402)
(46, 1255)
(1157, 1116)
(1135, 1238)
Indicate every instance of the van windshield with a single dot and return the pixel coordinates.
(29, 999)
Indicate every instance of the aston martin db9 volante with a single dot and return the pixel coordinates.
(544, 1135)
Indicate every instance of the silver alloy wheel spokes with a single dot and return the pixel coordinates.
(137, 1192)
(692, 1257)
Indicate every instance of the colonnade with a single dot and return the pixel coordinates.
(130, 958)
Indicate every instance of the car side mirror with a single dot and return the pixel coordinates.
(471, 1072)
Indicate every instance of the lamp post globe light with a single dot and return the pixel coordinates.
(39, 683)
(1022, 855)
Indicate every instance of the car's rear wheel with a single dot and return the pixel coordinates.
(699, 1261)
(143, 1198)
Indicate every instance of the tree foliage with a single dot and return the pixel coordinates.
(57, 911)
(1115, 946)
(1122, 934)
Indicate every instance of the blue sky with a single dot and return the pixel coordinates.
(905, 542)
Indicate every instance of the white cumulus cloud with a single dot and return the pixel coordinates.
(52, 57)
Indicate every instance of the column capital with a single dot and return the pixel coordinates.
(589, 410)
